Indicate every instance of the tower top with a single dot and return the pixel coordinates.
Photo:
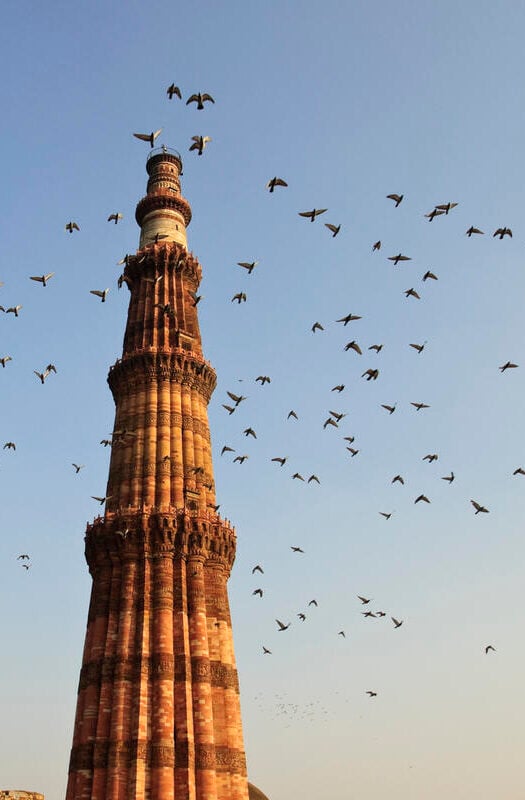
(163, 214)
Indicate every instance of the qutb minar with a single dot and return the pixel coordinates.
(158, 712)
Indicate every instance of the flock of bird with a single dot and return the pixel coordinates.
(334, 418)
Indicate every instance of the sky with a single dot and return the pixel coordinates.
(347, 102)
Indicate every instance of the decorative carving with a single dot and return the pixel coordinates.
(204, 756)
(200, 669)
(162, 755)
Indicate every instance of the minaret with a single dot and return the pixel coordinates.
(158, 713)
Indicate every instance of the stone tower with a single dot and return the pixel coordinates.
(158, 713)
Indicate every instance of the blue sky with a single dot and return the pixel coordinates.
(347, 102)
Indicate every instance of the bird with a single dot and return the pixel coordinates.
(9, 446)
(368, 614)
(171, 90)
(297, 476)
(472, 230)
(397, 622)
(330, 421)
(422, 497)
(317, 327)
(106, 442)
(508, 365)
(337, 415)
(380, 613)
(418, 347)
(200, 99)
(313, 478)
(78, 467)
(489, 647)
(275, 182)
(353, 451)
(448, 478)
(199, 143)
(156, 239)
(101, 500)
(262, 379)
(240, 459)
(41, 375)
(519, 471)
(446, 207)
(341, 633)
(237, 398)
(479, 508)
(4, 360)
(348, 318)
(22, 556)
(51, 368)
(296, 549)
(282, 626)
(292, 414)
(148, 137)
(398, 479)
(43, 279)
(430, 457)
(364, 600)
(419, 406)
(412, 293)
(353, 346)
(123, 533)
(280, 460)
(372, 694)
(249, 265)
(258, 591)
(398, 258)
(434, 213)
(313, 602)
(501, 232)
(250, 432)
(115, 217)
(100, 293)
(376, 347)
(257, 568)
(72, 226)
(240, 297)
(26, 566)
(339, 388)
(390, 409)
(227, 449)
(376, 245)
(313, 213)
(371, 374)
(154, 280)
(397, 198)
(13, 310)
(334, 228)
(165, 309)
(266, 652)
(385, 515)
(428, 274)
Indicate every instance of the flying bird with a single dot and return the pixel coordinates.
(519, 471)
(13, 310)
(43, 279)
(317, 327)
(199, 143)
(396, 198)
(298, 477)
(227, 449)
(102, 294)
(240, 297)
(398, 479)
(292, 414)
(101, 500)
(237, 398)
(339, 388)
(280, 460)
(390, 409)
(200, 99)
(434, 213)
(313, 602)
(9, 446)
(115, 217)
(334, 228)
(258, 591)
(376, 245)
(353, 346)
(372, 694)
(257, 568)
(479, 508)
(330, 421)
(4, 360)
(368, 614)
(249, 265)
(72, 226)
(418, 347)
(428, 274)
(364, 600)
(22, 556)
(501, 232)
(348, 318)
(412, 293)
(282, 626)
(448, 478)
(397, 622)
(385, 515)
(302, 617)
(422, 497)
(353, 451)
(296, 549)
(240, 459)
(262, 379)
(275, 182)
(430, 457)
(171, 90)
(341, 633)
(376, 347)
(313, 478)
(508, 365)
(78, 467)
(313, 213)
(446, 207)
(398, 258)
(472, 230)
(419, 406)
(266, 652)
(148, 137)
(489, 647)
(250, 432)
(371, 374)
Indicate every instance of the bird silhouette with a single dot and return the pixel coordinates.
(78, 467)
(148, 137)
(240, 459)
(262, 379)
(508, 365)
(257, 568)
(282, 626)
(275, 182)
(115, 217)
(397, 198)
(348, 318)
(390, 409)
(13, 310)
(418, 347)
(372, 694)
(200, 99)
(100, 293)
(376, 245)
(240, 297)
(479, 508)
(472, 230)
(43, 279)
(199, 143)
(371, 374)
(313, 478)
(419, 406)
(339, 388)
(448, 478)
(376, 347)
(296, 549)
(297, 476)
(421, 498)
(9, 446)
(237, 398)
(292, 414)
(385, 514)
(258, 591)
(398, 479)
(397, 622)
(412, 293)
(429, 275)
(248, 265)
(173, 90)
(280, 460)
(311, 215)
(333, 228)
(364, 600)
(72, 226)
(398, 258)
(317, 327)
(501, 232)
(4, 360)
(353, 346)
(101, 500)
(489, 647)
(430, 457)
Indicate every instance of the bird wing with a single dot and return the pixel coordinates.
(192, 99)
(145, 137)
(207, 97)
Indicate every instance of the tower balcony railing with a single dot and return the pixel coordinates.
(163, 150)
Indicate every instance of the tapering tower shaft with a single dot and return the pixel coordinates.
(158, 712)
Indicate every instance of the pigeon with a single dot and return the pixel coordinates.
(317, 327)
(333, 228)
(479, 508)
(313, 213)
(501, 232)
(282, 626)
(472, 230)
(275, 182)
(43, 279)
(72, 226)
(4, 360)
(397, 198)
(171, 90)
(200, 99)
(397, 622)
(102, 294)
(248, 265)
(115, 218)
(199, 143)
(148, 137)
